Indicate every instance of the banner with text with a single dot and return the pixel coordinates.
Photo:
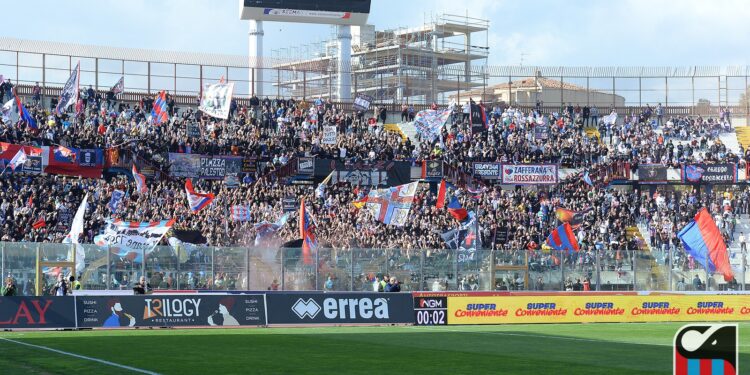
(721, 173)
(171, 310)
(583, 308)
(37, 312)
(204, 166)
(529, 174)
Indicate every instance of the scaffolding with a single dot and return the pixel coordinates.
(396, 65)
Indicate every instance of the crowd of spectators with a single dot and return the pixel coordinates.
(277, 131)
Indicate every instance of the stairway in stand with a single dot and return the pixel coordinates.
(743, 135)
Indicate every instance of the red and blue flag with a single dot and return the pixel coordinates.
(702, 239)
(197, 200)
(140, 181)
(456, 210)
(562, 238)
(159, 112)
(306, 228)
(24, 114)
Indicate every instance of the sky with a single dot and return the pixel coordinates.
(533, 33)
(543, 32)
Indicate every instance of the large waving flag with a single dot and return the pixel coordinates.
(159, 112)
(196, 200)
(562, 238)
(429, 122)
(69, 93)
(76, 228)
(132, 239)
(306, 228)
(24, 114)
(702, 239)
(456, 210)
(140, 181)
(575, 218)
(265, 229)
(391, 206)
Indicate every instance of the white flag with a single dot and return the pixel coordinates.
(216, 100)
(75, 231)
(19, 159)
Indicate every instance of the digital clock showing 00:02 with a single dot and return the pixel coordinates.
(430, 311)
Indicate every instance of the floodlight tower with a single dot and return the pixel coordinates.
(344, 14)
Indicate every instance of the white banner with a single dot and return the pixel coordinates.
(216, 100)
(329, 135)
(529, 174)
(125, 237)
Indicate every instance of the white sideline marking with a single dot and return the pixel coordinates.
(82, 357)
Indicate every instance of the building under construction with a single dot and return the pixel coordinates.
(418, 64)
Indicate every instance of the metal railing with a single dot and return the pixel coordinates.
(237, 268)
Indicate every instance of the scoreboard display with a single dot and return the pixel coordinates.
(334, 12)
(431, 311)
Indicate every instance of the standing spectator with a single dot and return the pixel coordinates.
(594, 115)
(36, 94)
(61, 287)
(9, 288)
(659, 114)
(586, 114)
(697, 283)
(743, 243)
(393, 286)
(9, 88)
(142, 287)
(404, 112)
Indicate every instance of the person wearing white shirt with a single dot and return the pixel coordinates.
(743, 244)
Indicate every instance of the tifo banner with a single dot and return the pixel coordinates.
(721, 173)
(132, 237)
(529, 174)
(362, 102)
(171, 310)
(329, 135)
(429, 122)
(339, 308)
(216, 99)
(582, 308)
(37, 312)
(204, 166)
(487, 171)
(652, 174)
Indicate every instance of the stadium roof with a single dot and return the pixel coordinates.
(119, 53)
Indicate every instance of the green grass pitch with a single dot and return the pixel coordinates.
(635, 348)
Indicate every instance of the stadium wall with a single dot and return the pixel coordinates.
(317, 308)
